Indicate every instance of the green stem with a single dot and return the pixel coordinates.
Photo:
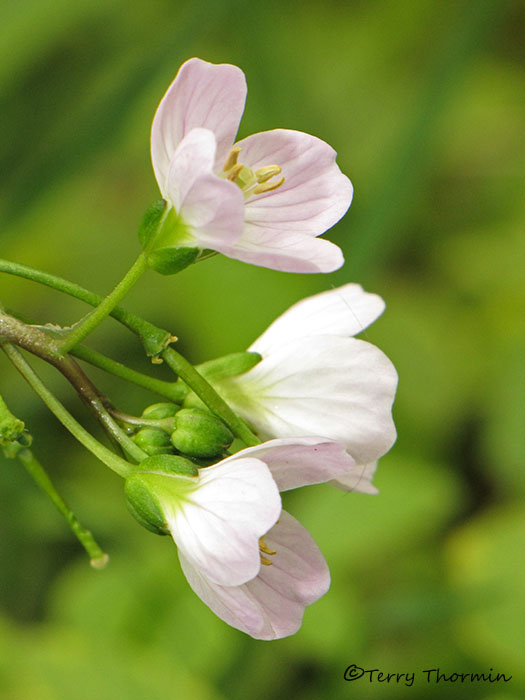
(154, 339)
(209, 396)
(104, 309)
(42, 345)
(170, 390)
(117, 464)
(98, 558)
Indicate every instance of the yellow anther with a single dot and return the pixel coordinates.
(231, 160)
(265, 561)
(266, 173)
(264, 547)
(267, 186)
(234, 171)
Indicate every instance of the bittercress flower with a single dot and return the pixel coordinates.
(315, 378)
(251, 562)
(264, 199)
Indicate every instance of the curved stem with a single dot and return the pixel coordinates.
(97, 556)
(154, 339)
(170, 390)
(42, 345)
(209, 396)
(103, 310)
(117, 464)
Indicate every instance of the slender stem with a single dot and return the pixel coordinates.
(167, 424)
(117, 464)
(210, 397)
(41, 344)
(104, 309)
(155, 339)
(98, 557)
(171, 390)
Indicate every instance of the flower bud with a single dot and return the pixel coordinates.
(157, 411)
(200, 434)
(157, 483)
(153, 441)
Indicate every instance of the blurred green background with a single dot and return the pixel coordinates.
(423, 102)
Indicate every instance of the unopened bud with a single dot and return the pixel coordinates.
(200, 434)
(157, 411)
(153, 441)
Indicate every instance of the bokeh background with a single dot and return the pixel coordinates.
(423, 102)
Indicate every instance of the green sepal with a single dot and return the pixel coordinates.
(144, 483)
(151, 221)
(169, 261)
(200, 434)
(229, 365)
(153, 441)
(144, 506)
(170, 465)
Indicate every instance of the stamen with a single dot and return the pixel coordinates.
(266, 173)
(267, 186)
(264, 547)
(234, 171)
(231, 160)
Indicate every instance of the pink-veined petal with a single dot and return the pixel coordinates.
(270, 606)
(315, 193)
(193, 158)
(344, 311)
(286, 251)
(339, 388)
(358, 479)
(211, 208)
(202, 95)
(218, 526)
(296, 462)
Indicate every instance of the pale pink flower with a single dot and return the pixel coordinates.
(253, 564)
(316, 379)
(263, 200)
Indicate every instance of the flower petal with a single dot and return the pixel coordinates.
(202, 95)
(344, 311)
(270, 606)
(217, 528)
(315, 193)
(359, 479)
(340, 388)
(296, 462)
(211, 208)
(286, 251)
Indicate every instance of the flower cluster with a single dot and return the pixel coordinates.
(319, 399)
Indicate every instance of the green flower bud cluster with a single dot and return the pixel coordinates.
(168, 429)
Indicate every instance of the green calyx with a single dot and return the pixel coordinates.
(200, 434)
(158, 484)
(229, 365)
(166, 240)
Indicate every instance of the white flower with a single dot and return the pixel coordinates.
(316, 379)
(263, 200)
(253, 564)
